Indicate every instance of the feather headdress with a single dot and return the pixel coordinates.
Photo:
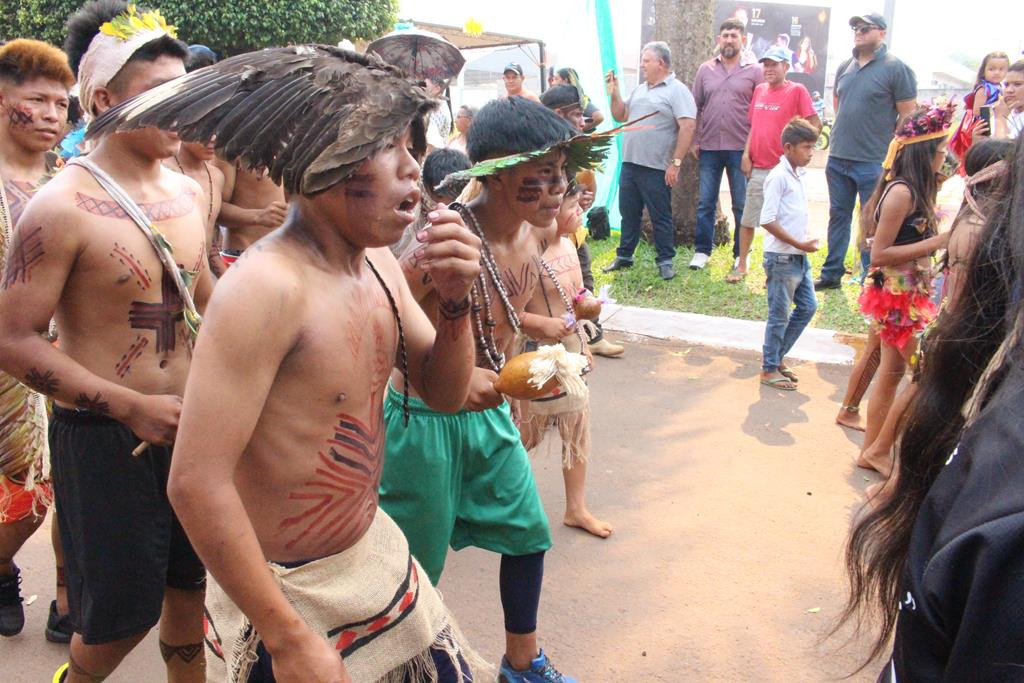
(582, 152)
(922, 125)
(306, 114)
(111, 48)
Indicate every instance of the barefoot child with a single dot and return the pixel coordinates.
(786, 265)
(281, 443)
(560, 281)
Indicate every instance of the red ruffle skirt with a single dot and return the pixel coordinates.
(897, 302)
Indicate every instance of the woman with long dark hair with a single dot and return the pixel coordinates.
(986, 169)
(899, 223)
(941, 561)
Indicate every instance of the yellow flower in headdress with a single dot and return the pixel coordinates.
(126, 26)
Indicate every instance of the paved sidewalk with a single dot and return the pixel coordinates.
(815, 345)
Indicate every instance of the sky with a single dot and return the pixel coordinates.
(923, 30)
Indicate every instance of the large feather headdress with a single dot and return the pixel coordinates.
(307, 114)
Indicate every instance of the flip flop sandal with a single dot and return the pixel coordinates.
(789, 374)
(775, 381)
(735, 277)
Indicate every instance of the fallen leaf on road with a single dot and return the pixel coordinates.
(30, 599)
(694, 377)
(814, 610)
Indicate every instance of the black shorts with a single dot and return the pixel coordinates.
(122, 542)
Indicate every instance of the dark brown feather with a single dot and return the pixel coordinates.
(307, 114)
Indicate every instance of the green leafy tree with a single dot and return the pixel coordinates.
(227, 27)
(243, 25)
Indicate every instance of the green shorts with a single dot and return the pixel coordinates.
(460, 479)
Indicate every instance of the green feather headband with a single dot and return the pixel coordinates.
(581, 152)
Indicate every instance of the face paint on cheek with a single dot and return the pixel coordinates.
(358, 186)
(19, 116)
(530, 190)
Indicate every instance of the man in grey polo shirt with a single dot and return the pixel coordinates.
(651, 157)
(873, 89)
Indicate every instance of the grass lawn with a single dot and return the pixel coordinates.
(706, 291)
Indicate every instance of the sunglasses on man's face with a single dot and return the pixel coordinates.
(865, 28)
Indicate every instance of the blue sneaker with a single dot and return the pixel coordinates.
(540, 671)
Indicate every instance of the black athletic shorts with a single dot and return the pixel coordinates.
(122, 542)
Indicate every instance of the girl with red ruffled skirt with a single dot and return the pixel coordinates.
(900, 225)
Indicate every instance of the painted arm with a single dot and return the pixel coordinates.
(897, 206)
(43, 252)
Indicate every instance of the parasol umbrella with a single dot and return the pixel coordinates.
(419, 53)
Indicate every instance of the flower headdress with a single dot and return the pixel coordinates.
(111, 48)
(921, 126)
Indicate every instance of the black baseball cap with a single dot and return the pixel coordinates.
(873, 18)
(513, 66)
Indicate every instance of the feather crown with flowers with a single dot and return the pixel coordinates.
(920, 126)
(926, 121)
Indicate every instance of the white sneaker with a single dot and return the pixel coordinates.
(698, 261)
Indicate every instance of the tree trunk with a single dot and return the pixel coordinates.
(688, 28)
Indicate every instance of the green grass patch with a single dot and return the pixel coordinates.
(706, 291)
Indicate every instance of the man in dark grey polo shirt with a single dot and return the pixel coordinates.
(651, 156)
(873, 89)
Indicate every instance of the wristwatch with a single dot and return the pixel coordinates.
(677, 162)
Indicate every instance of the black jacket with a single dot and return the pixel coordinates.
(962, 599)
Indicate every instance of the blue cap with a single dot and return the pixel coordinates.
(776, 54)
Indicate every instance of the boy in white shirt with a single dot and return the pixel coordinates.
(786, 265)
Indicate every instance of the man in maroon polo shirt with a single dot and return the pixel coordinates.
(723, 88)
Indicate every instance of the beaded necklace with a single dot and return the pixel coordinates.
(565, 300)
(480, 298)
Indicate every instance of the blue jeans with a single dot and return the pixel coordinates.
(789, 282)
(641, 186)
(846, 180)
(712, 163)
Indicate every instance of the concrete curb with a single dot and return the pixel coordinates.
(815, 345)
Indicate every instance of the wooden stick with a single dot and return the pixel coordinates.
(140, 449)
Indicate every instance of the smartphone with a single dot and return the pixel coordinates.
(985, 113)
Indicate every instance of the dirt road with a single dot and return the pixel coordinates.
(731, 503)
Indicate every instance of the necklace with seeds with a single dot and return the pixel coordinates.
(565, 300)
(480, 298)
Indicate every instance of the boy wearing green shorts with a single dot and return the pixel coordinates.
(464, 479)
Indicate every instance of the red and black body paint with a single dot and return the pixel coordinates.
(164, 210)
(26, 252)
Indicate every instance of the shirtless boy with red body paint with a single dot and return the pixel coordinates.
(124, 355)
(34, 82)
(281, 442)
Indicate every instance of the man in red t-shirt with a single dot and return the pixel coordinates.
(774, 104)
